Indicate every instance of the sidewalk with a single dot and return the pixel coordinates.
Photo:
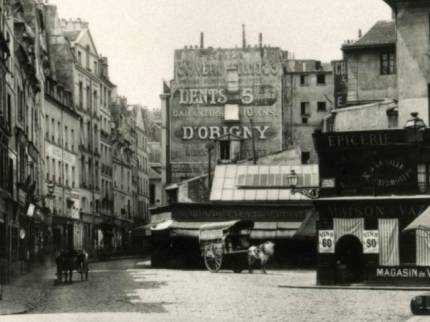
(297, 279)
(26, 290)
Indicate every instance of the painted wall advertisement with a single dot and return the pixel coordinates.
(326, 242)
(209, 79)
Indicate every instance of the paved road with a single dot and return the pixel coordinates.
(134, 292)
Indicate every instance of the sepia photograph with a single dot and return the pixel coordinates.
(196, 160)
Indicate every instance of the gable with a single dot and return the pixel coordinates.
(85, 39)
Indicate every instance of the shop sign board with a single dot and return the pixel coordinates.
(402, 273)
(326, 241)
(54, 151)
(370, 242)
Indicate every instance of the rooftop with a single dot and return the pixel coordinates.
(383, 33)
(261, 182)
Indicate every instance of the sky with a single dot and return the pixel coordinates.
(140, 36)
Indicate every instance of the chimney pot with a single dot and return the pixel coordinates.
(202, 40)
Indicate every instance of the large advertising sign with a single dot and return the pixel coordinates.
(206, 80)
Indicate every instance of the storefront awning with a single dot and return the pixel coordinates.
(421, 222)
(261, 230)
(145, 230)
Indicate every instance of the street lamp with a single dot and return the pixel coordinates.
(415, 128)
(293, 180)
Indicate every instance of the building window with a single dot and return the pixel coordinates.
(66, 135)
(59, 133)
(304, 109)
(304, 80)
(423, 173)
(53, 171)
(321, 79)
(66, 175)
(322, 106)
(305, 156)
(73, 176)
(232, 81)
(388, 63)
(231, 112)
(79, 58)
(225, 150)
(88, 57)
(47, 127)
(72, 140)
(81, 95)
(47, 168)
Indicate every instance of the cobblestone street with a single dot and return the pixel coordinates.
(126, 286)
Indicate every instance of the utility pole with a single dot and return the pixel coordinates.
(210, 146)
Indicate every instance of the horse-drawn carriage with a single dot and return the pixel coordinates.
(69, 261)
(226, 241)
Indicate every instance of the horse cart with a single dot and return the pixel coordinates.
(69, 261)
(225, 243)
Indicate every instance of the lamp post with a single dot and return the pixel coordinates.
(293, 180)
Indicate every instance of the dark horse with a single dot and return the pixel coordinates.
(67, 261)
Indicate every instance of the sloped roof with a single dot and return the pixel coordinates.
(261, 182)
(72, 35)
(383, 33)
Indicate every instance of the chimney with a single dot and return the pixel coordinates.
(360, 34)
(243, 37)
(202, 40)
(260, 40)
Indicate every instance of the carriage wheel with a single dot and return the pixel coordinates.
(213, 259)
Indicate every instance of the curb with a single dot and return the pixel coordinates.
(107, 259)
(12, 309)
(357, 287)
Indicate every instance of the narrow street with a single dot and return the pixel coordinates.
(130, 286)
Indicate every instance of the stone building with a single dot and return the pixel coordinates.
(8, 197)
(371, 65)
(24, 227)
(141, 173)
(412, 47)
(106, 185)
(232, 105)
(308, 98)
(84, 75)
(231, 95)
(62, 166)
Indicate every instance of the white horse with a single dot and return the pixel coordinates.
(260, 253)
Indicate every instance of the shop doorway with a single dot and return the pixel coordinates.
(349, 260)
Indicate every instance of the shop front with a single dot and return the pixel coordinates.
(365, 241)
(283, 224)
(374, 185)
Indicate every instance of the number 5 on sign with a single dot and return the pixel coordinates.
(370, 242)
(326, 241)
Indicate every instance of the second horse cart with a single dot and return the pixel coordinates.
(227, 243)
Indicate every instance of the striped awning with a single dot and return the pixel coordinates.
(421, 222)
(262, 230)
